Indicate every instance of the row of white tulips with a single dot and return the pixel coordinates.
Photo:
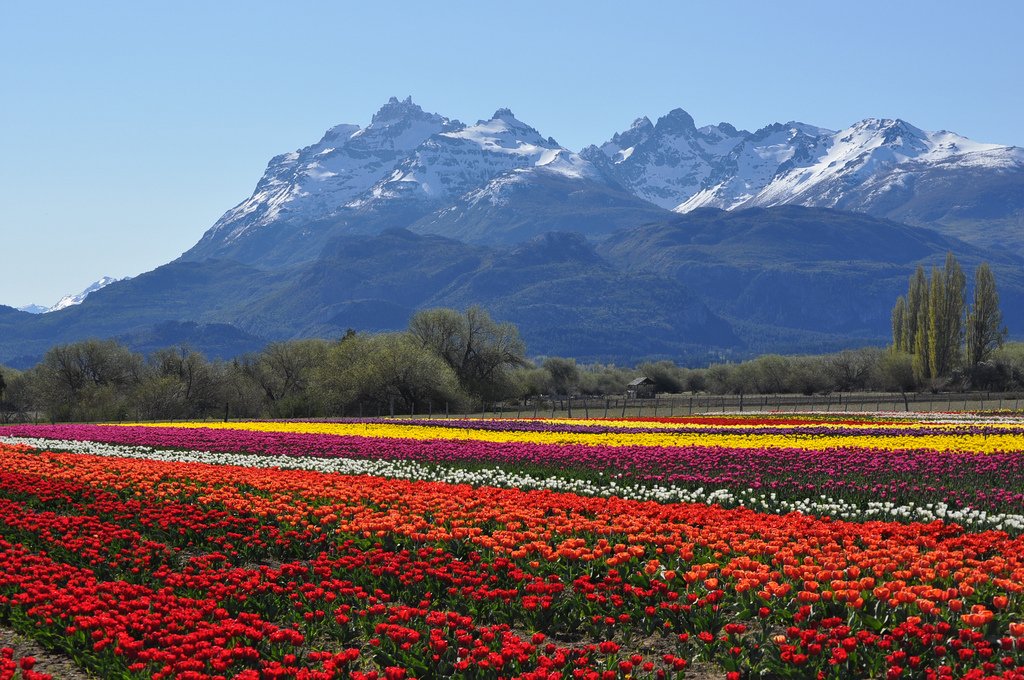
(404, 469)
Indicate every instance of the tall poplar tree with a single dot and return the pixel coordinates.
(922, 341)
(917, 302)
(985, 330)
(946, 309)
(899, 322)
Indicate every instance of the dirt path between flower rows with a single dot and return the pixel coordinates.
(57, 665)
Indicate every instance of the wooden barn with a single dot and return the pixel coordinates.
(640, 388)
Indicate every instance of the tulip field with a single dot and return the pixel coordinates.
(757, 546)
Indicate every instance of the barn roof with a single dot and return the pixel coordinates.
(642, 380)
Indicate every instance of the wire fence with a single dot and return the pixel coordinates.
(676, 405)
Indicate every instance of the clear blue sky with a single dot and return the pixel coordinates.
(128, 128)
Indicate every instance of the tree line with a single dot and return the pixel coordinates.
(446, 361)
(946, 339)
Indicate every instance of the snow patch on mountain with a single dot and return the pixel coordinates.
(408, 164)
(454, 162)
(34, 309)
(668, 162)
(871, 149)
(755, 161)
(318, 180)
(72, 300)
(679, 166)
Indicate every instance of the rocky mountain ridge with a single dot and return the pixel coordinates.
(413, 169)
(669, 240)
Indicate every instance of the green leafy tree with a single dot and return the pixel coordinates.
(929, 322)
(771, 373)
(895, 371)
(809, 375)
(565, 375)
(283, 371)
(946, 306)
(1009, 360)
(601, 379)
(181, 383)
(985, 330)
(910, 323)
(481, 351)
(851, 369)
(899, 324)
(17, 399)
(908, 312)
(390, 372)
(668, 378)
(89, 380)
(718, 378)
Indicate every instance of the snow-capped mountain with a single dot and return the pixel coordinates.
(869, 157)
(33, 309)
(402, 168)
(667, 161)
(682, 167)
(320, 180)
(465, 159)
(71, 300)
(501, 179)
(755, 161)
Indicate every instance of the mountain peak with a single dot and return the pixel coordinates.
(397, 109)
(505, 114)
(676, 120)
(72, 300)
(642, 123)
(879, 123)
(888, 125)
(339, 132)
(638, 132)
